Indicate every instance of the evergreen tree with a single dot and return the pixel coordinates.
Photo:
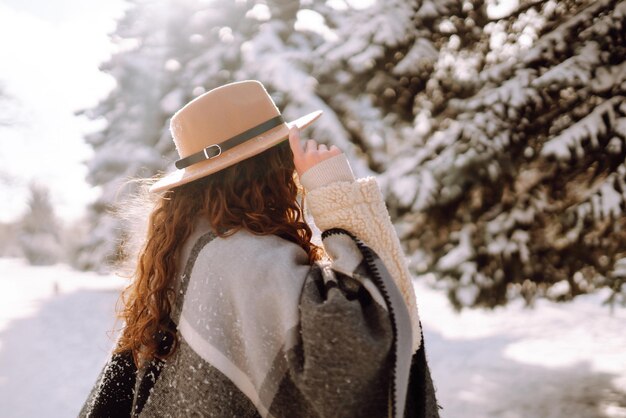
(38, 233)
(129, 144)
(167, 52)
(354, 69)
(508, 176)
(8, 115)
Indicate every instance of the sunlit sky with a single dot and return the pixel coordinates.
(50, 52)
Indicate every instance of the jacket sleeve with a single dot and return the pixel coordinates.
(112, 394)
(353, 363)
(336, 199)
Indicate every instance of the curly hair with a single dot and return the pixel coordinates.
(258, 194)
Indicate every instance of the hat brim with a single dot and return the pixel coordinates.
(246, 150)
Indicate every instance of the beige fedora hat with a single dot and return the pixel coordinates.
(224, 126)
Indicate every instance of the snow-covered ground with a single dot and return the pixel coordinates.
(557, 360)
(552, 361)
(54, 337)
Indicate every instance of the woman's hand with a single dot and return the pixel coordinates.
(305, 157)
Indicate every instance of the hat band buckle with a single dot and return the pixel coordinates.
(239, 139)
(219, 151)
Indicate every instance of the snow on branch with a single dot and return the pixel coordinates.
(422, 54)
(365, 34)
(515, 92)
(499, 238)
(574, 71)
(433, 9)
(605, 200)
(546, 46)
(602, 119)
(506, 10)
(428, 168)
(608, 77)
(458, 255)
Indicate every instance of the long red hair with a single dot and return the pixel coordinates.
(258, 194)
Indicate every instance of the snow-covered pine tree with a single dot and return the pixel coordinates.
(366, 41)
(38, 232)
(128, 146)
(509, 179)
(9, 108)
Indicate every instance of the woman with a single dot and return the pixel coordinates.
(233, 311)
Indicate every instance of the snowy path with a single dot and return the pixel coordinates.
(555, 361)
(53, 337)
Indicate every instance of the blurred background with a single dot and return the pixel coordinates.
(496, 129)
